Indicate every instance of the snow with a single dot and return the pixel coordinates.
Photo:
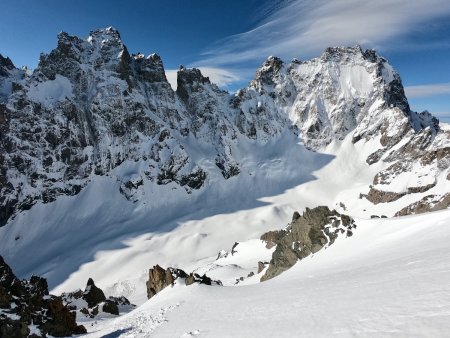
(388, 73)
(389, 279)
(52, 91)
(115, 241)
(355, 81)
(232, 266)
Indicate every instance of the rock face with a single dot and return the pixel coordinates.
(25, 303)
(306, 235)
(426, 204)
(159, 278)
(346, 90)
(424, 158)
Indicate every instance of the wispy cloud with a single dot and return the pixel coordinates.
(442, 114)
(443, 117)
(221, 77)
(303, 28)
(429, 90)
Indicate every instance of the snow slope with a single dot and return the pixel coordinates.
(388, 280)
(115, 241)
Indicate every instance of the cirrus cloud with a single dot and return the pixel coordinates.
(305, 27)
(429, 90)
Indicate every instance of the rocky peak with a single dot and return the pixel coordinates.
(269, 69)
(337, 94)
(5, 65)
(150, 68)
(92, 294)
(190, 80)
(103, 49)
(339, 54)
(190, 76)
(104, 35)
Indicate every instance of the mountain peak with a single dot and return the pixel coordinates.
(5, 62)
(190, 75)
(102, 34)
(340, 53)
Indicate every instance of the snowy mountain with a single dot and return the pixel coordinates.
(107, 171)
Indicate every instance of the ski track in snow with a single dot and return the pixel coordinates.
(136, 324)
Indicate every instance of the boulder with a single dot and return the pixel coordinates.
(158, 279)
(92, 294)
(110, 307)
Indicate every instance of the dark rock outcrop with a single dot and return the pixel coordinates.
(24, 303)
(92, 294)
(306, 235)
(95, 301)
(110, 307)
(160, 278)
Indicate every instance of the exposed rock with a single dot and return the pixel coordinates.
(190, 279)
(92, 294)
(261, 266)
(306, 235)
(378, 196)
(414, 190)
(92, 300)
(375, 156)
(435, 155)
(110, 307)
(233, 251)
(28, 302)
(10, 328)
(426, 204)
(160, 278)
(296, 216)
(273, 237)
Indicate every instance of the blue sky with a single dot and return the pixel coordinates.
(230, 39)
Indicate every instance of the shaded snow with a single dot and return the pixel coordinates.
(52, 91)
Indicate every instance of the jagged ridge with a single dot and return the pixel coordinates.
(91, 105)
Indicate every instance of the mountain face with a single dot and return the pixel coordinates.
(90, 106)
(344, 91)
